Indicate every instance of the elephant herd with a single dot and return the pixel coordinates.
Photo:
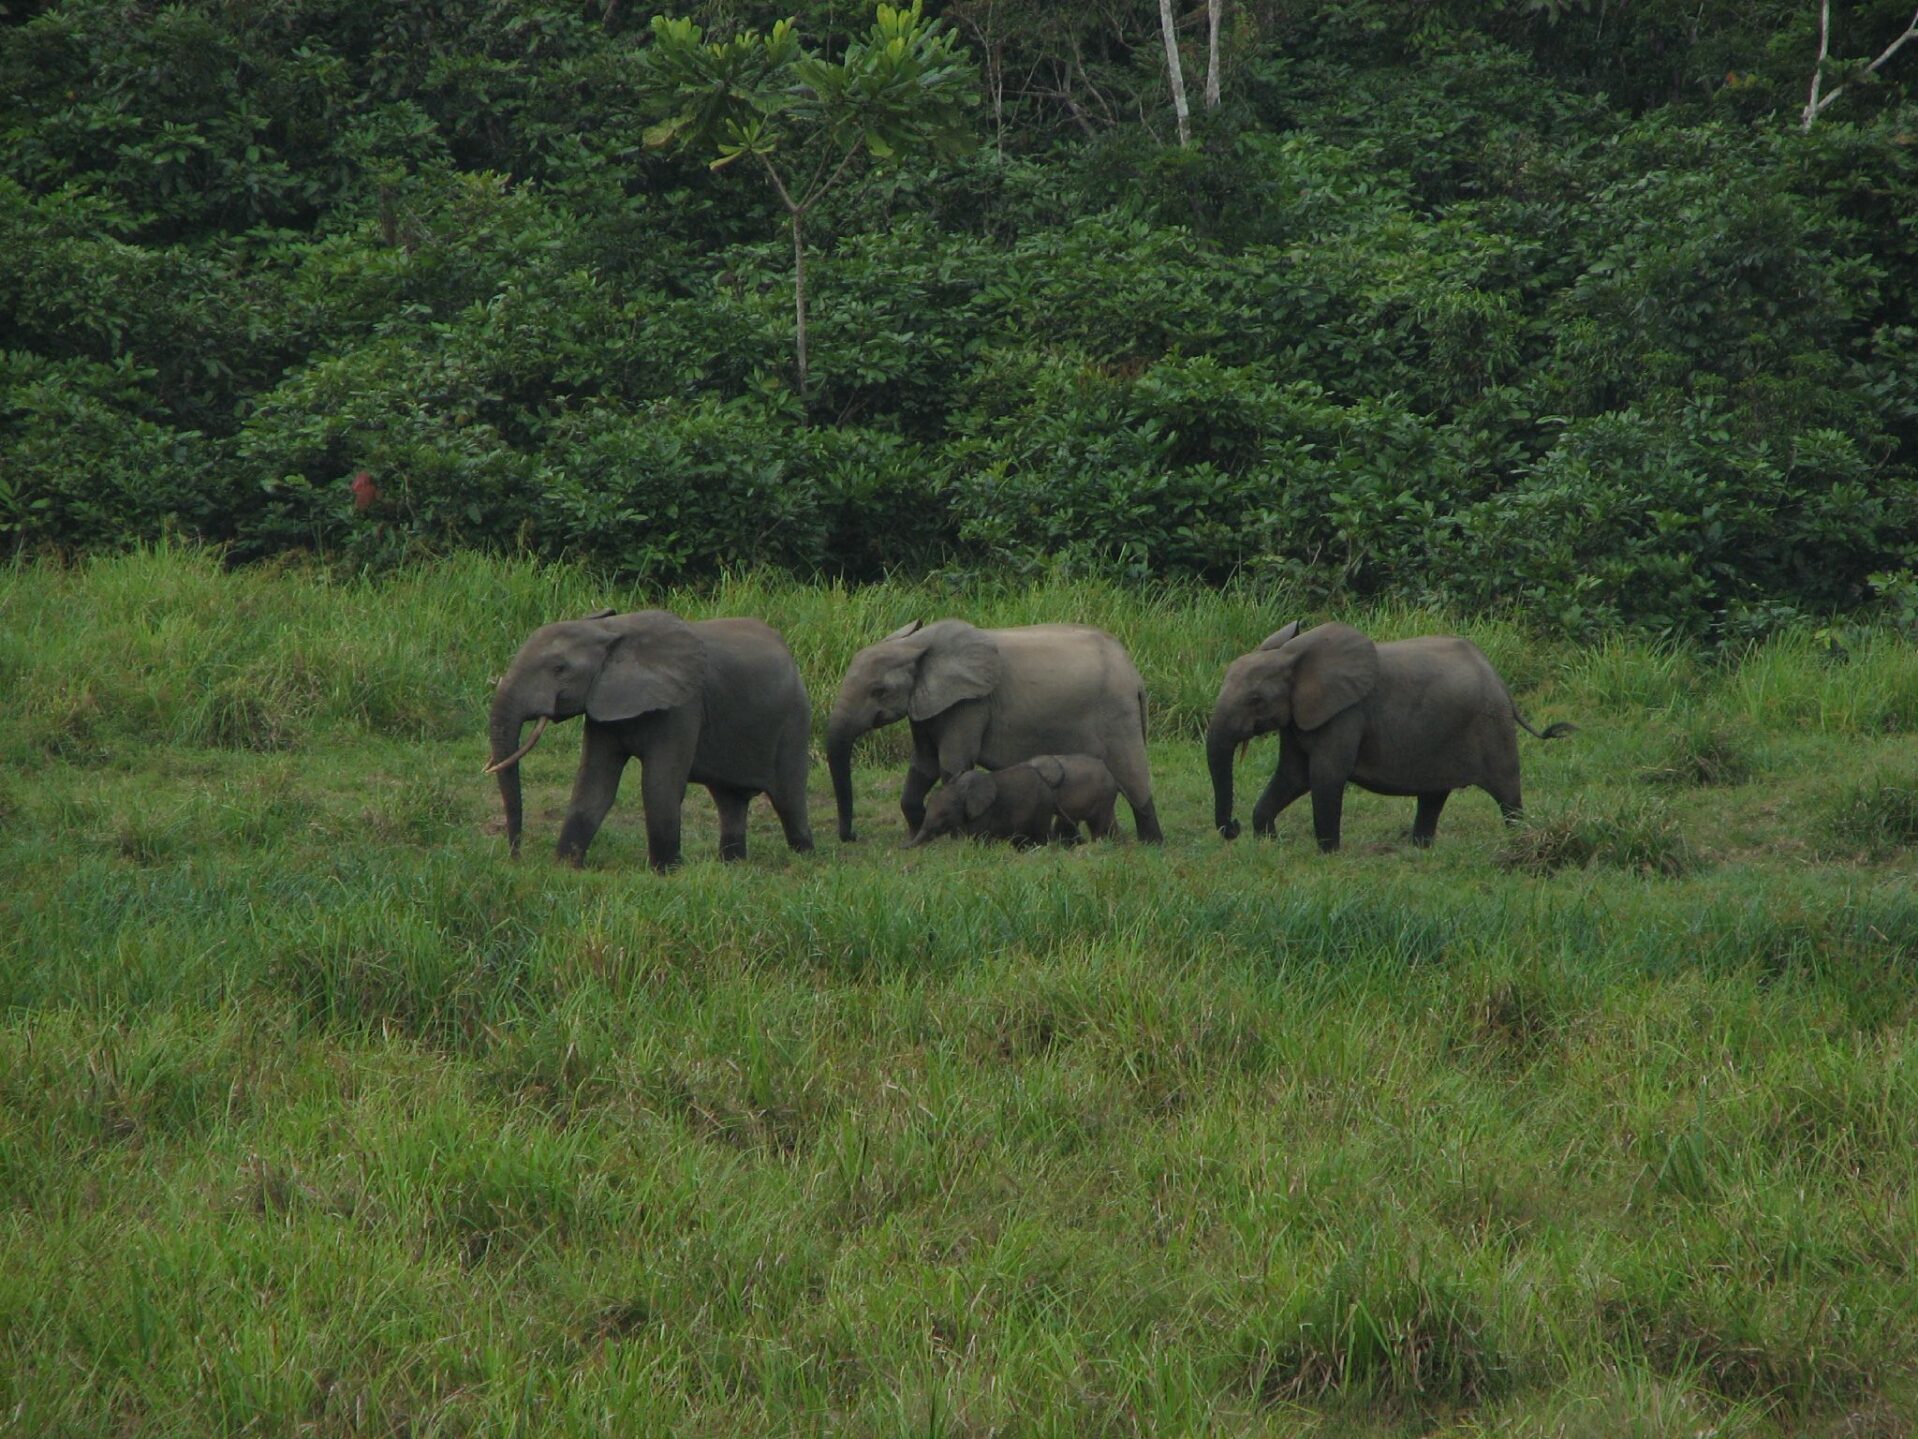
(1026, 731)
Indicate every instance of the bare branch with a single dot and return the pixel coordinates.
(1814, 107)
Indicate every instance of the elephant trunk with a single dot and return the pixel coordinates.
(1219, 741)
(503, 731)
(839, 741)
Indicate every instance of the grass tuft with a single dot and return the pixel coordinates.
(1704, 749)
(1876, 816)
(1377, 1329)
(1640, 836)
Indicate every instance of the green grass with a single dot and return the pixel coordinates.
(319, 1116)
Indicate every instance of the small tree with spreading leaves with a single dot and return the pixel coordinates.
(804, 122)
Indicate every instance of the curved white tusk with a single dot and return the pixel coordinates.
(518, 754)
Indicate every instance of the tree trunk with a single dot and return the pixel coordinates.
(1213, 8)
(1175, 72)
(799, 297)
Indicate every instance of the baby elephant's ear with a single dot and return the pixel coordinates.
(653, 661)
(1280, 638)
(977, 792)
(1050, 768)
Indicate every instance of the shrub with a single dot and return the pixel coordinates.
(680, 489)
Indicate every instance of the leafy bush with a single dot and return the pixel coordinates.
(676, 489)
(86, 468)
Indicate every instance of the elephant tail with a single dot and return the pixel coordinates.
(1551, 731)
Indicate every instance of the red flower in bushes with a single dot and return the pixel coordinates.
(366, 494)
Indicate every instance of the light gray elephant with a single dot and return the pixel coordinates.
(994, 698)
(1044, 798)
(713, 702)
(1414, 717)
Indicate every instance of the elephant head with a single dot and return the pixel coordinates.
(954, 806)
(608, 666)
(915, 672)
(1291, 681)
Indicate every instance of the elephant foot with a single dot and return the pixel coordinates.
(1229, 830)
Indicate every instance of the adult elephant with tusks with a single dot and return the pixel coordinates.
(994, 698)
(717, 703)
(1419, 717)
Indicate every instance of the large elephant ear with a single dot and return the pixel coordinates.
(976, 793)
(956, 662)
(1335, 667)
(653, 661)
(1279, 639)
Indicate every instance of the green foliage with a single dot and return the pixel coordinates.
(1548, 307)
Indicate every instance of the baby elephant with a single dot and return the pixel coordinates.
(1048, 795)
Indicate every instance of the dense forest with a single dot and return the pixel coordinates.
(1595, 310)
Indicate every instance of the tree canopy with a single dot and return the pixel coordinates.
(1532, 303)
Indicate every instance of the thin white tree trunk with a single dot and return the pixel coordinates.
(1175, 72)
(1213, 9)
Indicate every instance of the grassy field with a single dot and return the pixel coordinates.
(318, 1116)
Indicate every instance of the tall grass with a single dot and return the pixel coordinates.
(317, 1115)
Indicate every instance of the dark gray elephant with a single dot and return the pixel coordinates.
(994, 698)
(713, 702)
(1046, 797)
(1416, 717)
(1013, 803)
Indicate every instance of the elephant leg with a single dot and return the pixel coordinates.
(1033, 832)
(788, 798)
(792, 819)
(1288, 782)
(1328, 808)
(732, 805)
(1099, 823)
(1327, 770)
(602, 759)
(1065, 831)
(912, 798)
(1507, 795)
(1129, 768)
(1425, 822)
(663, 776)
